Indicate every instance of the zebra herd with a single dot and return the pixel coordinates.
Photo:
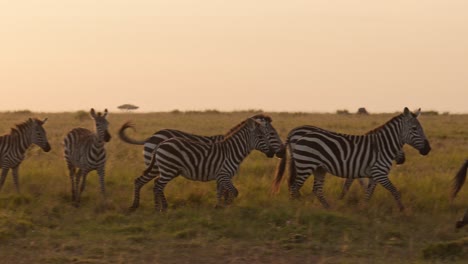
(169, 153)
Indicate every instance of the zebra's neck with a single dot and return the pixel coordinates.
(388, 138)
(20, 139)
(239, 144)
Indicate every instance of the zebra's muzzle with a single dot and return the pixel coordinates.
(425, 149)
(280, 153)
(46, 148)
(107, 137)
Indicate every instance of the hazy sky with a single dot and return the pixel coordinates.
(311, 55)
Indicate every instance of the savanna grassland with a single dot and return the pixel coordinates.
(40, 225)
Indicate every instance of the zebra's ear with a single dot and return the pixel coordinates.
(105, 113)
(406, 111)
(251, 123)
(45, 120)
(93, 113)
(417, 113)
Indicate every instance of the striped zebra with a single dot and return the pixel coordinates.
(204, 161)
(352, 156)
(151, 143)
(458, 182)
(13, 146)
(84, 151)
(298, 132)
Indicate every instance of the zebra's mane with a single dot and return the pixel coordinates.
(377, 129)
(239, 126)
(15, 131)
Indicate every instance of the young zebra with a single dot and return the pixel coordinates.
(352, 156)
(84, 150)
(458, 182)
(298, 132)
(13, 146)
(204, 162)
(151, 143)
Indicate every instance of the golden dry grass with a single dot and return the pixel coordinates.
(40, 225)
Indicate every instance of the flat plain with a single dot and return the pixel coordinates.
(40, 225)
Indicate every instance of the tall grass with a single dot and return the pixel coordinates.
(40, 225)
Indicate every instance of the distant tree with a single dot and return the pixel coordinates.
(342, 112)
(362, 111)
(127, 107)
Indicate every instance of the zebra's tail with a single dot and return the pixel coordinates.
(150, 166)
(279, 173)
(125, 138)
(459, 179)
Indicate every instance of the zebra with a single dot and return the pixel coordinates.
(84, 150)
(298, 132)
(13, 146)
(151, 143)
(200, 161)
(352, 156)
(458, 182)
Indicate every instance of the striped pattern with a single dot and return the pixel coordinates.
(13, 146)
(84, 152)
(204, 162)
(352, 156)
(151, 143)
(458, 182)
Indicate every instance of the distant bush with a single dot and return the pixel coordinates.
(431, 113)
(175, 111)
(81, 115)
(25, 111)
(342, 112)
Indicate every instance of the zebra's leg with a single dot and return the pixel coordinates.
(370, 189)
(347, 184)
(139, 183)
(102, 173)
(319, 179)
(83, 183)
(462, 222)
(71, 173)
(160, 201)
(387, 184)
(15, 178)
(81, 173)
(4, 174)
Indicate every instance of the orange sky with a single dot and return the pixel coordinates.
(313, 56)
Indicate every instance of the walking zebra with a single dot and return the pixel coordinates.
(13, 146)
(458, 182)
(204, 161)
(151, 143)
(298, 132)
(84, 150)
(352, 156)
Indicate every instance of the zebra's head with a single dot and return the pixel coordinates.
(38, 134)
(274, 140)
(413, 133)
(261, 136)
(101, 125)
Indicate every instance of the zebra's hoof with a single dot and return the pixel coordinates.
(460, 224)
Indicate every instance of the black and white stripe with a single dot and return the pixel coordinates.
(13, 146)
(298, 132)
(151, 143)
(204, 162)
(84, 151)
(352, 156)
(458, 182)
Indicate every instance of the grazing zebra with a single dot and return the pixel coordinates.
(84, 150)
(151, 143)
(204, 161)
(352, 156)
(458, 182)
(297, 133)
(13, 146)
